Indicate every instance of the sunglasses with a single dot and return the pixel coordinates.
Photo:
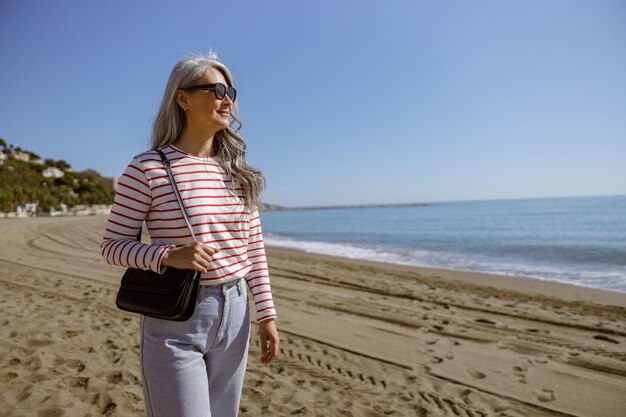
(219, 89)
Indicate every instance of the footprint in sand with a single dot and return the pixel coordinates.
(73, 333)
(502, 345)
(474, 373)
(533, 330)
(51, 412)
(544, 395)
(77, 382)
(521, 368)
(105, 403)
(39, 342)
(8, 377)
(76, 364)
(518, 373)
(605, 338)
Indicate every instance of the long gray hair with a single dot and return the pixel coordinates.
(228, 143)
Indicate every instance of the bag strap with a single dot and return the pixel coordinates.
(168, 168)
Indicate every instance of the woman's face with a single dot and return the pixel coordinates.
(204, 110)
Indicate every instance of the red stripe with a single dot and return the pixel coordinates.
(185, 190)
(118, 233)
(266, 308)
(190, 207)
(227, 275)
(112, 254)
(230, 256)
(225, 266)
(133, 188)
(122, 252)
(145, 265)
(130, 208)
(257, 277)
(159, 237)
(126, 174)
(115, 244)
(105, 243)
(158, 159)
(129, 252)
(154, 250)
(199, 180)
(137, 168)
(224, 240)
(192, 225)
(185, 165)
(136, 265)
(130, 218)
(194, 197)
(130, 198)
(136, 229)
(260, 248)
(253, 287)
(197, 215)
(185, 173)
(159, 260)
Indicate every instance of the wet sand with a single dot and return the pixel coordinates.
(358, 338)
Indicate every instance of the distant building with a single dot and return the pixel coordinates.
(52, 172)
(22, 156)
(25, 210)
(62, 212)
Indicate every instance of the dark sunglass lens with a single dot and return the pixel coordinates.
(220, 90)
(232, 93)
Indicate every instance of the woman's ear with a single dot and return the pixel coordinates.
(181, 99)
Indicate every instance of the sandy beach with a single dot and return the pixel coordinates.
(358, 338)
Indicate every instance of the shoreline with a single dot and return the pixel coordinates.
(533, 286)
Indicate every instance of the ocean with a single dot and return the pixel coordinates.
(574, 240)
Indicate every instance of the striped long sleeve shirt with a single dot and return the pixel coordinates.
(218, 218)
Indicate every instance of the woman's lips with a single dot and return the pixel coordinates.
(224, 114)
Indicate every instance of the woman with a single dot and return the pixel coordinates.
(196, 368)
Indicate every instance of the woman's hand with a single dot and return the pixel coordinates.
(195, 255)
(268, 333)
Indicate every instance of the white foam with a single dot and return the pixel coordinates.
(608, 280)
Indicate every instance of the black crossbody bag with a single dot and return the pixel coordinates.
(168, 296)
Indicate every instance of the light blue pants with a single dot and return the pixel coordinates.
(196, 368)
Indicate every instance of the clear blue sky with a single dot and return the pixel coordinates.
(343, 102)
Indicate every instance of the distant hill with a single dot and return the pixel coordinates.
(26, 180)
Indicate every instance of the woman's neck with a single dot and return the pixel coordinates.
(195, 145)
